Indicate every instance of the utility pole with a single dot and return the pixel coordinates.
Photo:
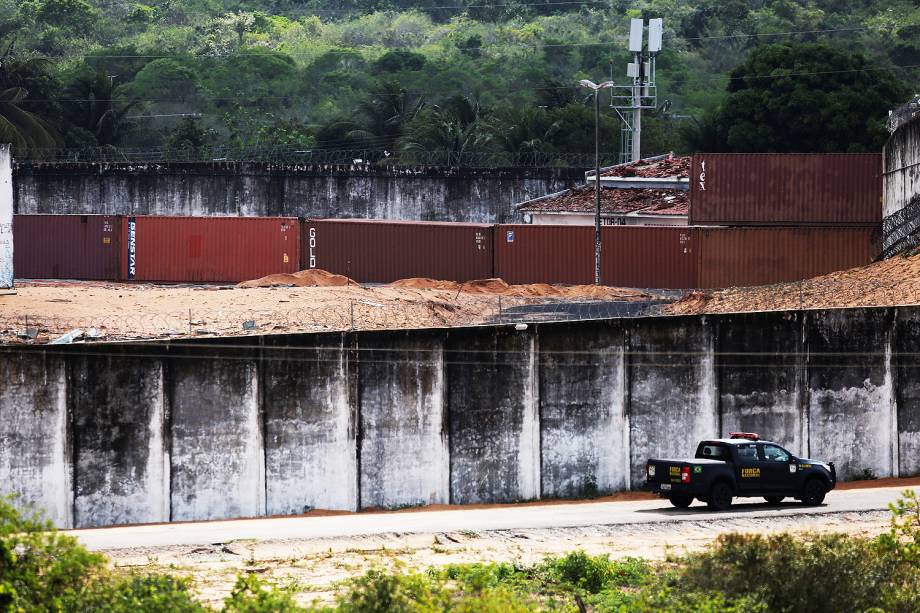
(642, 93)
(597, 172)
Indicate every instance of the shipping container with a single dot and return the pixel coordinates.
(371, 251)
(544, 254)
(648, 257)
(786, 189)
(760, 256)
(631, 256)
(66, 247)
(208, 249)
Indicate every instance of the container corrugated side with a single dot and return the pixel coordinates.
(208, 249)
(66, 247)
(648, 257)
(786, 189)
(759, 256)
(544, 254)
(372, 251)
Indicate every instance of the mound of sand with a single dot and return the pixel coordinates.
(313, 277)
(424, 283)
(498, 287)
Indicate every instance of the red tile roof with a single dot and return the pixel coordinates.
(670, 166)
(614, 201)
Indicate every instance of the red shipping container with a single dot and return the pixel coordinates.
(631, 256)
(786, 189)
(66, 247)
(544, 254)
(385, 251)
(649, 257)
(208, 249)
(759, 256)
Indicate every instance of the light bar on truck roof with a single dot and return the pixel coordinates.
(752, 436)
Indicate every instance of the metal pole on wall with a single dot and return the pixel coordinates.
(597, 172)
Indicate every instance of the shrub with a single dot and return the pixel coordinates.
(395, 593)
(595, 573)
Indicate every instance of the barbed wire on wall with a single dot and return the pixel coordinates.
(374, 156)
(903, 114)
(901, 229)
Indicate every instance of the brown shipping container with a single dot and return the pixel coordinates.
(66, 247)
(760, 256)
(648, 257)
(631, 256)
(544, 254)
(208, 249)
(371, 251)
(786, 189)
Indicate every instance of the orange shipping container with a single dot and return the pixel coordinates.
(208, 249)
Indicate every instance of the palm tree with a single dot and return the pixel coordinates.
(453, 129)
(25, 130)
(521, 131)
(102, 107)
(386, 114)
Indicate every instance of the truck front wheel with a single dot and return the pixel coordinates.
(681, 501)
(813, 492)
(720, 496)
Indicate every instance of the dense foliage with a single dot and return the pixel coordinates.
(41, 570)
(446, 81)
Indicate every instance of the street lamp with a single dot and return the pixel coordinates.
(596, 88)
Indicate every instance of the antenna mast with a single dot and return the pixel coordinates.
(629, 100)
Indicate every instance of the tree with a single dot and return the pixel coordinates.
(23, 129)
(99, 106)
(798, 97)
(447, 132)
(385, 115)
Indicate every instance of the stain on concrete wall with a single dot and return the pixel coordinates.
(584, 430)
(227, 188)
(672, 389)
(494, 427)
(403, 439)
(310, 444)
(902, 167)
(760, 361)
(121, 464)
(217, 462)
(907, 375)
(851, 416)
(35, 449)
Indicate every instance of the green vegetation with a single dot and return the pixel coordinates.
(41, 570)
(454, 82)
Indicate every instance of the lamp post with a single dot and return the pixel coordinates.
(596, 88)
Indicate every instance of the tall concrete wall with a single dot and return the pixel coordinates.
(252, 189)
(901, 199)
(279, 425)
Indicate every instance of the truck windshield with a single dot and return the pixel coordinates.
(715, 452)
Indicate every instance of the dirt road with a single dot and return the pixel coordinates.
(314, 554)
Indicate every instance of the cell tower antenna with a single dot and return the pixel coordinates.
(641, 92)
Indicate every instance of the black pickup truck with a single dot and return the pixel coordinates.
(742, 465)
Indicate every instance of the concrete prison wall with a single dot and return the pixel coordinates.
(220, 428)
(901, 199)
(279, 190)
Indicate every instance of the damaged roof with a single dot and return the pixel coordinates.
(614, 201)
(662, 167)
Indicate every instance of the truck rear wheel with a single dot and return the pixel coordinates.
(813, 492)
(681, 501)
(720, 496)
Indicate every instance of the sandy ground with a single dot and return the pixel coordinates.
(315, 569)
(892, 282)
(41, 311)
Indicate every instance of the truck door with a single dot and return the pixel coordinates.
(776, 469)
(748, 468)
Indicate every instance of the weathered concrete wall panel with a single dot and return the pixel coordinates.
(310, 412)
(494, 413)
(760, 377)
(121, 464)
(906, 350)
(902, 167)
(217, 462)
(227, 188)
(584, 433)
(672, 389)
(852, 420)
(403, 442)
(35, 451)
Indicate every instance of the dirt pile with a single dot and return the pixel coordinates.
(302, 278)
(425, 283)
(893, 282)
(499, 287)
